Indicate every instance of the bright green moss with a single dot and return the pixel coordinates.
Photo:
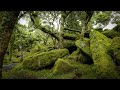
(84, 45)
(27, 74)
(18, 67)
(115, 43)
(19, 72)
(6, 59)
(62, 67)
(115, 47)
(78, 71)
(103, 64)
(70, 75)
(38, 48)
(85, 71)
(73, 56)
(68, 43)
(43, 59)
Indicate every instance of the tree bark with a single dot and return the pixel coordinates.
(87, 20)
(7, 23)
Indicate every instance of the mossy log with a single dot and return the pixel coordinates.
(44, 59)
(104, 66)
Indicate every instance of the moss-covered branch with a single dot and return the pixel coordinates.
(74, 30)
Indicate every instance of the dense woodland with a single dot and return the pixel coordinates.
(59, 45)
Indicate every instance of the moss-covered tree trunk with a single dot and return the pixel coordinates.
(60, 40)
(7, 23)
(88, 17)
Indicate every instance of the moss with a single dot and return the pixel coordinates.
(85, 53)
(115, 47)
(70, 70)
(18, 72)
(85, 59)
(6, 59)
(18, 67)
(61, 66)
(115, 43)
(44, 59)
(111, 33)
(16, 60)
(70, 75)
(78, 70)
(69, 36)
(84, 71)
(38, 48)
(99, 29)
(84, 45)
(68, 43)
(104, 66)
(73, 56)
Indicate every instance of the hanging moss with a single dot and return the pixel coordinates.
(115, 47)
(44, 59)
(104, 66)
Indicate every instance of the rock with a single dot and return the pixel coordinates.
(84, 45)
(115, 46)
(62, 66)
(85, 54)
(104, 66)
(68, 43)
(44, 59)
(67, 65)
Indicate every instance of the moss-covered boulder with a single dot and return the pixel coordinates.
(39, 48)
(62, 66)
(84, 51)
(74, 56)
(74, 68)
(68, 43)
(115, 46)
(44, 59)
(104, 66)
(84, 45)
(84, 58)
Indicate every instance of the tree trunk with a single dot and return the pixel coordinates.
(10, 53)
(7, 23)
(60, 41)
